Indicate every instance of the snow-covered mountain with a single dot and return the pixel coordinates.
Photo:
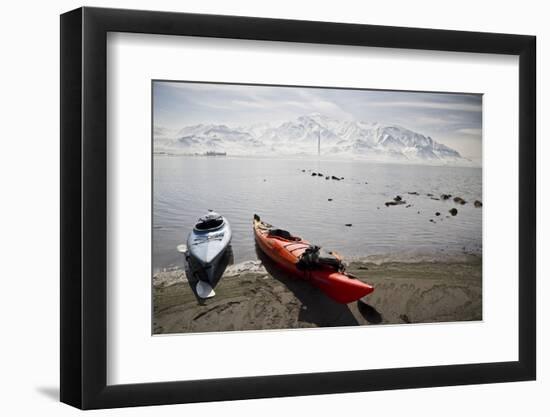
(339, 138)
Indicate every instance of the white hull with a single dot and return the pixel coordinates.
(207, 247)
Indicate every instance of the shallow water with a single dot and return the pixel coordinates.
(184, 188)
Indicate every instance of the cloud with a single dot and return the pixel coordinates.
(470, 131)
(467, 107)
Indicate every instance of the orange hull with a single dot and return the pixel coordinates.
(286, 253)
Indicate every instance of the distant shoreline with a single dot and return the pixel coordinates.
(327, 158)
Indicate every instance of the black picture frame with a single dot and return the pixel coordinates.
(84, 207)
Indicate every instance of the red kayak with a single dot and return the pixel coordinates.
(300, 259)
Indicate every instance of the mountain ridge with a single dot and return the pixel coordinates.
(300, 137)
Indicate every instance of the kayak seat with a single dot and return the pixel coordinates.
(209, 223)
(315, 257)
(285, 234)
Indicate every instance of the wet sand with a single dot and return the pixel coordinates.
(255, 295)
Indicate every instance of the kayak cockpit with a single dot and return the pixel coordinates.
(285, 234)
(212, 221)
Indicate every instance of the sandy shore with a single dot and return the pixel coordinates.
(255, 295)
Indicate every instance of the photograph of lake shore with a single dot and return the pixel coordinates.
(298, 207)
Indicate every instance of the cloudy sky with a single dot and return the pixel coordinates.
(452, 119)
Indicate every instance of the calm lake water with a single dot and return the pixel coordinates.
(184, 188)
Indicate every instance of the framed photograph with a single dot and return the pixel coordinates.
(258, 208)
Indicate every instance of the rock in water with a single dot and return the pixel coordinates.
(397, 198)
(349, 224)
(437, 213)
(395, 203)
(459, 200)
(313, 174)
(453, 211)
(478, 203)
